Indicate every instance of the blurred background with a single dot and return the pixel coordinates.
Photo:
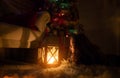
(101, 18)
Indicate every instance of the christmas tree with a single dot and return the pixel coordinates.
(64, 14)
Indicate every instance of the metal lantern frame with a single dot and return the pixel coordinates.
(49, 55)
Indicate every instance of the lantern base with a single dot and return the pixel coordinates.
(50, 65)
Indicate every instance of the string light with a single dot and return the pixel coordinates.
(62, 13)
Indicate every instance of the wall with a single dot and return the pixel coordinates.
(101, 20)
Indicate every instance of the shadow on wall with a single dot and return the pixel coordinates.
(101, 19)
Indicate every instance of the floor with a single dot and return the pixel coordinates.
(65, 70)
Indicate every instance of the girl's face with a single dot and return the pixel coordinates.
(72, 45)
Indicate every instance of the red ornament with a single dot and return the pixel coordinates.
(55, 19)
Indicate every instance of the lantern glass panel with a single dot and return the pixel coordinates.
(43, 54)
(52, 55)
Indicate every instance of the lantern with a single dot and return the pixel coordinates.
(48, 51)
(49, 55)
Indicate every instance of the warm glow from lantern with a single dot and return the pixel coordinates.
(51, 61)
(49, 55)
(52, 55)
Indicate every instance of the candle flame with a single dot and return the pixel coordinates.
(51, 61)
